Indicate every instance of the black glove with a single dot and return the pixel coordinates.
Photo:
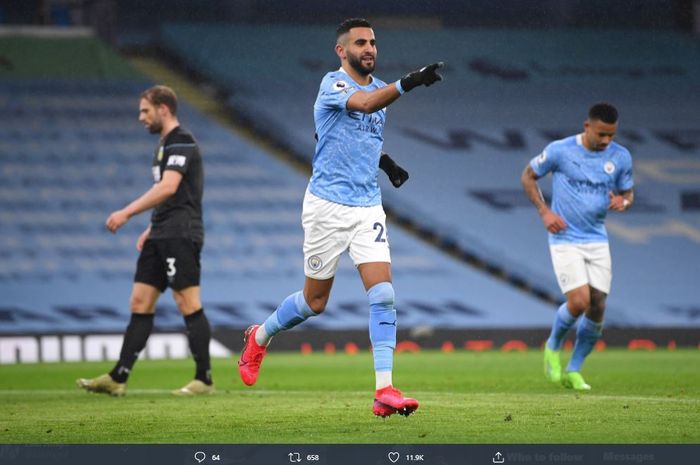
(396, 174)
(425, 76)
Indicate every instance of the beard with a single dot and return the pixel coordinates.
(356, 64)
(155, 127)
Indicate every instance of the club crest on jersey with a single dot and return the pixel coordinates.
(315, 262)
(609, 167)
(340, 86)
(160, 153)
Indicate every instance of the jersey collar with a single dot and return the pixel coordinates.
(346, 73)
(579, 142)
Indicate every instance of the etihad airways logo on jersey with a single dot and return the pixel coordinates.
(177, 160)
(369, 123)
(588, 187)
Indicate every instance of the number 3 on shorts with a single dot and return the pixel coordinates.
(379, 226)
(171, 266)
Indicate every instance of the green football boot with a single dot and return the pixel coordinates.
(552, 365)
(194, 388)
(103, 384)
(574, 380)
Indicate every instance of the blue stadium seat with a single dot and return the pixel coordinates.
(466, 141)
(64, 171)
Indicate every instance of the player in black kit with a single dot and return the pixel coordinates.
(170, 247)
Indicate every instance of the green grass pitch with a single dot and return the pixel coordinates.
(466, 398)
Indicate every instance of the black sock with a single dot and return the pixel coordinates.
(135, 339)
(199, 335)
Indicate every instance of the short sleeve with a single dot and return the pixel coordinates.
(624, 179)
(178, 156)
(335, 92)
(545, 161)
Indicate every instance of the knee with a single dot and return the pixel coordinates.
(381, 294)
(597, 308)
(179, 300)
(184, 304)
(138, 304)
(579, 303)
(596, 311)
(317, 304)
(187, 302)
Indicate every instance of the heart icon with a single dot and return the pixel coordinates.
(393, 456)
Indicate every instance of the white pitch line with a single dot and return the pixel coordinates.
(77, 390)
(421, 394)
(585, 395)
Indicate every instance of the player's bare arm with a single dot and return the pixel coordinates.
(621, 201)
(143, 237)
(552, 222)
(154, 196)
(369, 102)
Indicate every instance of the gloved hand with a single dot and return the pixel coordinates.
(396, 174)
(425, 76)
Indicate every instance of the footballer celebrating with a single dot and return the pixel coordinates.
(342, 208)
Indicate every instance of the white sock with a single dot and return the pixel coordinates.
(261, 337)
(382, 379)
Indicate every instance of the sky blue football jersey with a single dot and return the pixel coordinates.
(346, 161)
(581, 182)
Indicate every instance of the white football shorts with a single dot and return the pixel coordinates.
(579, 264)
(331, 228)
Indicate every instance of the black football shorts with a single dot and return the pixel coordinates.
(173, 262)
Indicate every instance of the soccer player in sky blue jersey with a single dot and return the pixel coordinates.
(346, 173)
(591, 174)
(343, 211)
